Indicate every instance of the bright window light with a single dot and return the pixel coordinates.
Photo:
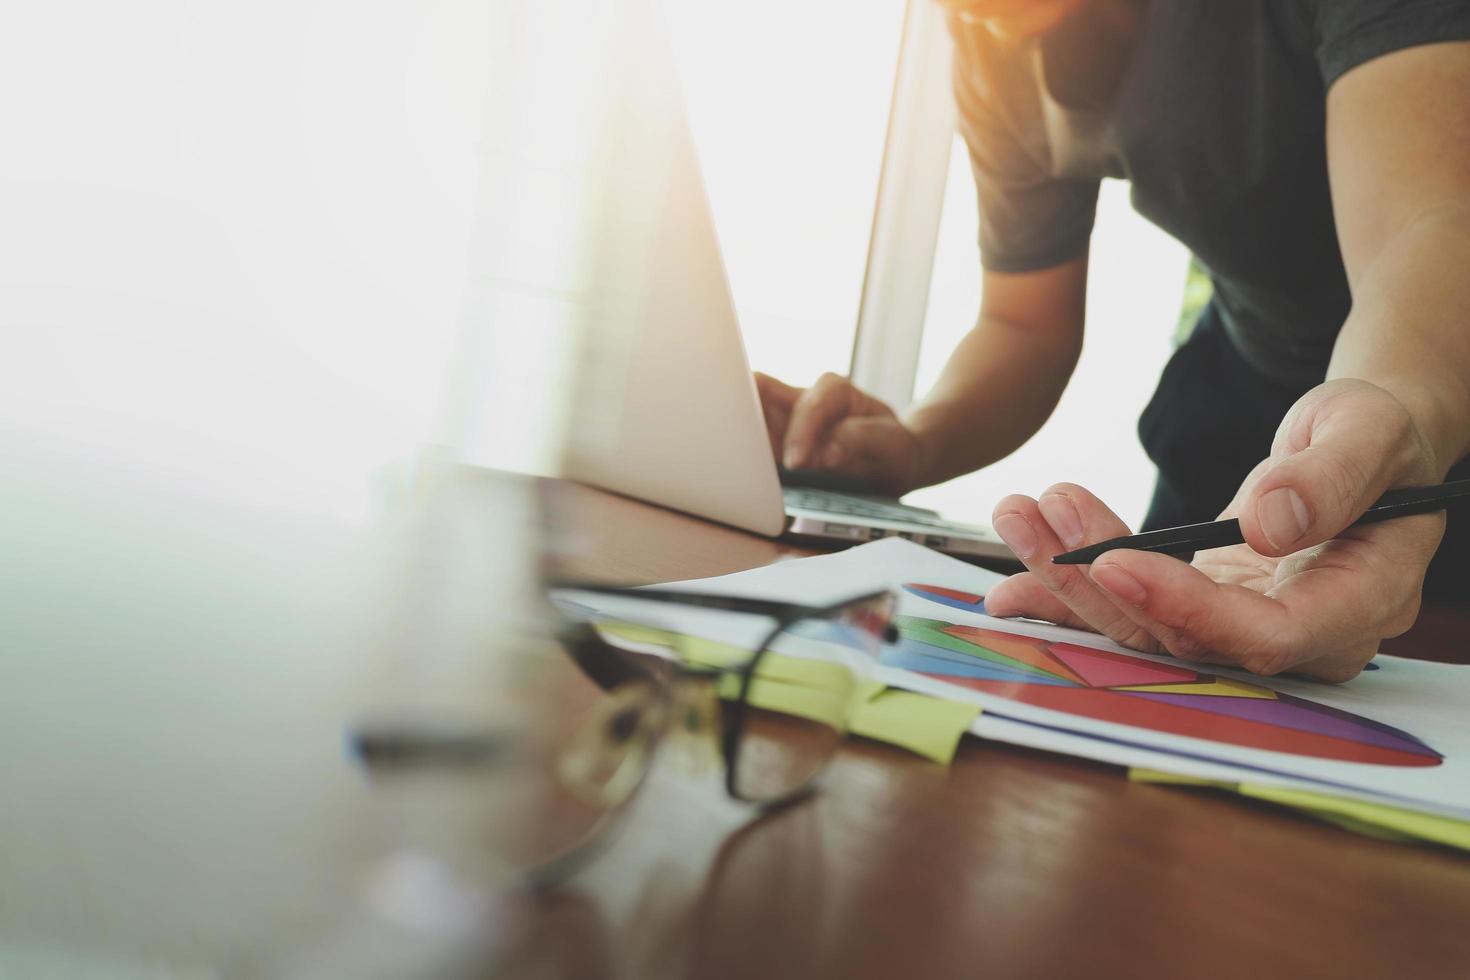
(1135, 290)
(788, 103)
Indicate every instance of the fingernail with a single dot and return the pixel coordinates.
(1018, 534)
(996, 596)
(1120, 583)
(1061, 514)
(1283, 517)
(792, 459)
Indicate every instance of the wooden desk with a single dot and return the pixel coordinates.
(179, 679)
(1009, 863)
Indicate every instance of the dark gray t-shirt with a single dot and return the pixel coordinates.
(1215, 111)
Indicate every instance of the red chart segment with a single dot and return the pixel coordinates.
(1127, 690)
(1028, 651)
(1099, 668)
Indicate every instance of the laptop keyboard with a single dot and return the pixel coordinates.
(848, 505)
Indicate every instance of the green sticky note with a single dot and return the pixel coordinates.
(1373, 819)
(932, 727)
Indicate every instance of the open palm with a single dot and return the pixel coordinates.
(1319, 606)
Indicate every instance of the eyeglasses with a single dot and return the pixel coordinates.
(774, 683)
(784, 714)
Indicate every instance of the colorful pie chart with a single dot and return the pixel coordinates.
(1114, 687)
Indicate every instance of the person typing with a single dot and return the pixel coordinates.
(1315, 157)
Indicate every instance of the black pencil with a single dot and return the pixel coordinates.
(1220, 534)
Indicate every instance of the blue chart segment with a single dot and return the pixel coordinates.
(954, 598)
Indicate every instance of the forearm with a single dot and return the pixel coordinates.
(998, 387)
(1409, 331)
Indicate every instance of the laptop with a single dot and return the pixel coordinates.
(666, 408)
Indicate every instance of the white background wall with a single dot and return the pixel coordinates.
(788, 103)
(1135, 290)
(233, 236)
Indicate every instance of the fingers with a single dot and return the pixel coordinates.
(1323, 619)
(1341, 447)
(1023, 594)
(777, 400)
(1321, 615)
(818, 408)
(1066, 517)
(876, 448)
(1196, 618)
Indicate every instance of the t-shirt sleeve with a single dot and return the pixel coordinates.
(1029, 219)
(1351, 32)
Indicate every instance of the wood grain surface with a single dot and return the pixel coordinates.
(1010, 863)
(182, 798)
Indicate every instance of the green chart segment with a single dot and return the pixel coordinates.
(932, 632)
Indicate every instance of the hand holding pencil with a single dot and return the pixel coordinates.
(1190, 538)
(1307, 592)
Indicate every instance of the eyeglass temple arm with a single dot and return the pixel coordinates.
(606, 665)
(769, 607)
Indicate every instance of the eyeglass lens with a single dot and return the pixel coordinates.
(796, 707)
(577, 760)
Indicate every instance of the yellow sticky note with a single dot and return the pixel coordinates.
(700, 652)
(824, 692)
(1373, 819)
(1346, 812)
(692, 649)
(929, 726)
(809, 673)
(1138, 775)
(822, 705)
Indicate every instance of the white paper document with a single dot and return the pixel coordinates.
(1398, 734)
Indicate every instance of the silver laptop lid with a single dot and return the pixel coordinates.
(666, 409)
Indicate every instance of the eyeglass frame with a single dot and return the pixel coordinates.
(393, 745)
(577, 637)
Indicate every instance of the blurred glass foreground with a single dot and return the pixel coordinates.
(269, 273)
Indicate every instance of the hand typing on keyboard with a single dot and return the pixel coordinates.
(834, 426)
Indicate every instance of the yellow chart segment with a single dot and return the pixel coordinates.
(1221, 687)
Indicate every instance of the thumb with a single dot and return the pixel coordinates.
(1339, 450)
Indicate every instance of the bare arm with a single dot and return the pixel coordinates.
(1398, 154)
(998, 387)
(1311, 594)
(1005, 378)
(1398, 140)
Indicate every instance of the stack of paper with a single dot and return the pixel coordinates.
(1388, 751)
